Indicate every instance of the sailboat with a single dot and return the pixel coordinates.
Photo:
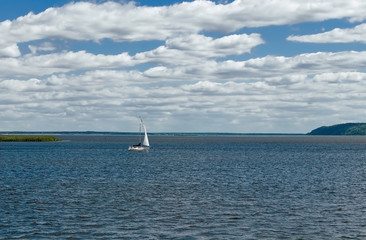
(143, 146)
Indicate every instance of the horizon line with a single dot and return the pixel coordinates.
(150, 133)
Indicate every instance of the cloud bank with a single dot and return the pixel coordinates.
(202, 76)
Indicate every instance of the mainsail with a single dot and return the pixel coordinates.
(146, 139)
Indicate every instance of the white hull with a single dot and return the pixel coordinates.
(138, 148)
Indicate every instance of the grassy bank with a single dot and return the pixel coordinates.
(31, 138)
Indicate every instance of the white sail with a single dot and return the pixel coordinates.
(146, 139)
(143, 146)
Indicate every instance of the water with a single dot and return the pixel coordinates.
(186, 187)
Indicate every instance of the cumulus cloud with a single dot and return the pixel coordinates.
(184, 50)
(337, 35)
(190, 59)
(191, 77)
(10, 51)
(190, 49)
(46, 46)
(36, 66)
(275, 66)
(127, 22)
(84, 98)
(301, 94)
(208, 47)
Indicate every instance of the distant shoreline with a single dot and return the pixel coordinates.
(27, 138)
(31, 133)
(344, 129)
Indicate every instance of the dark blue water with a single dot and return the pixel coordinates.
(186, 187)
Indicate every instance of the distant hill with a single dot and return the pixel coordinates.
(341, 129)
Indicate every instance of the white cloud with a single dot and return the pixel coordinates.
(207, 47)
(337, 35)
(188, 50)
(193, 62)
(193, 49)
(184, 79)
(268, 67)
(10, 51)
(311, 63)
(46, 46)
(80, 101)
(36, 66)
(127, 22)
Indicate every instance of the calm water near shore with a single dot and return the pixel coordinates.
(185, 187)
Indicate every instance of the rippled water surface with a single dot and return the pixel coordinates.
(185, 187)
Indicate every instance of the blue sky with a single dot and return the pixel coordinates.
(248, 66)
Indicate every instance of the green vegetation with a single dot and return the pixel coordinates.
(341, 129)
(30, 138)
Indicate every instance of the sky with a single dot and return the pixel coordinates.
(243, 66)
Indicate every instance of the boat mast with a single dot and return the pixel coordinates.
(140, 130)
